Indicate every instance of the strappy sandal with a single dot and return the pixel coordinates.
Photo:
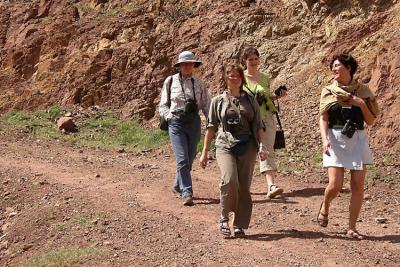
(354, 235)
(224, 227)
(239, 232)
(323, 222)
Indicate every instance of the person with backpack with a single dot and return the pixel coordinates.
(234, 119)
(258, 85)
(182, 96)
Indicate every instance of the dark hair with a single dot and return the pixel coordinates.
(248, 52)
(233, 67)
(347, 61)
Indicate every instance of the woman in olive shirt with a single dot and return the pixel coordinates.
(235, 117)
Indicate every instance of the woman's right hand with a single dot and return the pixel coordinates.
(326, 146)
(204, 159)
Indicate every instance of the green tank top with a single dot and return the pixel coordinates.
(263, 88)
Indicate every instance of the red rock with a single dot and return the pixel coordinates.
(66, 124)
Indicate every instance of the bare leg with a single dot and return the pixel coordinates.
(357, 195)
(270, 175)
(336, 175)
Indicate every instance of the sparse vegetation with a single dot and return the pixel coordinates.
(82, 7)
(54, 112)
(64, 257)
(110, 11)
(105, 132)
(175, 13)
(375, 173)
(59, 226)
(37, 124)
(85, 221)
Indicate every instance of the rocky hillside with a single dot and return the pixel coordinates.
(115, 54)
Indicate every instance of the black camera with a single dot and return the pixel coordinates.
(260, 98)
(349, 128)
(278, 91)
(190, 106)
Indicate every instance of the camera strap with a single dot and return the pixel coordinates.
(247, 89)
(183, 91)
(277, 115)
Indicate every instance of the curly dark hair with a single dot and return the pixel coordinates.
(348, 61)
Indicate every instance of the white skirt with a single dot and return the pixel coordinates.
(350, 153)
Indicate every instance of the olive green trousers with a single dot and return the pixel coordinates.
(236, 176)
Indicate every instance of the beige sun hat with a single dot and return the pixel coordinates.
(187, 56)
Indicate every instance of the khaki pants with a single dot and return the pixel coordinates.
(269, 140)
(236, 176)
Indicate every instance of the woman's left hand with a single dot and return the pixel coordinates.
(263, 153)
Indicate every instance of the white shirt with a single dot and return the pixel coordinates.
(178, 96)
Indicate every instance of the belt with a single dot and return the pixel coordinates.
(340, 127)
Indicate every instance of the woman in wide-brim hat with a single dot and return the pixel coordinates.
(182, 96)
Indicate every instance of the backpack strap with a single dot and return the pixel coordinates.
(169, 84)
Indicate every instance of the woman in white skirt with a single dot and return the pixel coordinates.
(344, 107)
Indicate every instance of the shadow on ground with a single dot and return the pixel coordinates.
(293, 233)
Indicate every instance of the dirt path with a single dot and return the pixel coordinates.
(56, 195)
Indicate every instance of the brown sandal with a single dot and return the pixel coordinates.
(322, 219)
(224, 227)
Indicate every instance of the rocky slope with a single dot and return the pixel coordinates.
(116, 53)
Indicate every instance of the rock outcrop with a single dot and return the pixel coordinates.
(115, 54)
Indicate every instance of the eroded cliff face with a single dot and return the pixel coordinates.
(116, 54)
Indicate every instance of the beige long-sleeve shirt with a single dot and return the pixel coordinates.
(178, 96)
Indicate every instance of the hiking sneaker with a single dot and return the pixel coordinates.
(274, 191)
(188, 201)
